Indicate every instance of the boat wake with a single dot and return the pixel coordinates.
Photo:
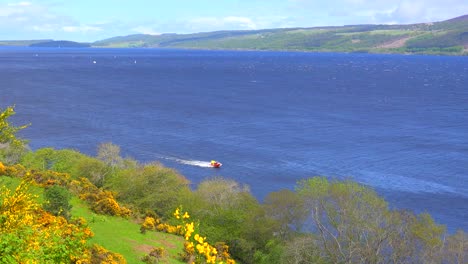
(197, 163)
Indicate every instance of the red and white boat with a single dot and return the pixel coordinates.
(215, 164)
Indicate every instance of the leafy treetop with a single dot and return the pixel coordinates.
(7, 130)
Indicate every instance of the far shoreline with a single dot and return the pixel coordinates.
(236, 50)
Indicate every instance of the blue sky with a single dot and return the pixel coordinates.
(90, 20)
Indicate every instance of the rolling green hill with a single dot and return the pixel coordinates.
(447, 37)
(60, 44)
(21, 43)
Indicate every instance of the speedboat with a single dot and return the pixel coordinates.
(215, 164)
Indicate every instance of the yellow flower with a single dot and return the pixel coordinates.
(186, 216)
(200, 240)
(200, 249)
(177, 213)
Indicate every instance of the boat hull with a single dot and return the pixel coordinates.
(216, 165)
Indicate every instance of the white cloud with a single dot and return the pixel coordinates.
(221, 23)
(380, 11)
(212, 23)
(20, 4)
(243, 22)
(29, 20)
(81, 28)
(26, 16)
(146, 30)
(411, 11)
(44, 28)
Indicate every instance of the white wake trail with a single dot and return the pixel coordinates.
(197, 163)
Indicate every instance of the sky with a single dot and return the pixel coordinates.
(91, 20)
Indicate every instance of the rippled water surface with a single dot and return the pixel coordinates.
(396, 123)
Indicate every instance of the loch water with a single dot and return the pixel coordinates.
(396, 123)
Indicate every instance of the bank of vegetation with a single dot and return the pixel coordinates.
(448, 37)
(61, 206)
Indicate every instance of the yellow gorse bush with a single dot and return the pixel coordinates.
(28, 234)
(101, 201)
(2, 169)
(104, 256)
(197, 249)
(149, 223)
(8, 131)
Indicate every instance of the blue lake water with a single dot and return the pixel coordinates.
(396, 123)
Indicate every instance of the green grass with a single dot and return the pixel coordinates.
(123, 236)
(391, 32)
(305, 31)
(8, 182)
(11, 183)
(116, 234)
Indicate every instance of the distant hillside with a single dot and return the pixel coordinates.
(60, 44)
(446, 37)
(21, 43)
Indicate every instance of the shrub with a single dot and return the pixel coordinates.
(7, 130)
(154, 256)
(149, 224)
(197, 249)
(150, 187)
(57, 201)
(28, 234)
(100, 255)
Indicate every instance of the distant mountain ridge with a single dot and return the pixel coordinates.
(60, 44)
(449, 37)
(446, 37)
(20, 43)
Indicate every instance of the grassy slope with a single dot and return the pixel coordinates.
(447, 37)
(115, 233)
(123, 236)
(12, 183)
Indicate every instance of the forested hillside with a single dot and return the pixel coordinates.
(446, 37)
(61, 206)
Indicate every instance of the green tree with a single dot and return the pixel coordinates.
(151, 186)
(350, 221)
(230, 214)
(12, 148)
(302, 249)
(57, 201)
(7, 130)
(41, 159)
(428, 236)
(456, 248)
(272, 254)
(110, 155)
(287, 209)
(95, 170)
(64, 160)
